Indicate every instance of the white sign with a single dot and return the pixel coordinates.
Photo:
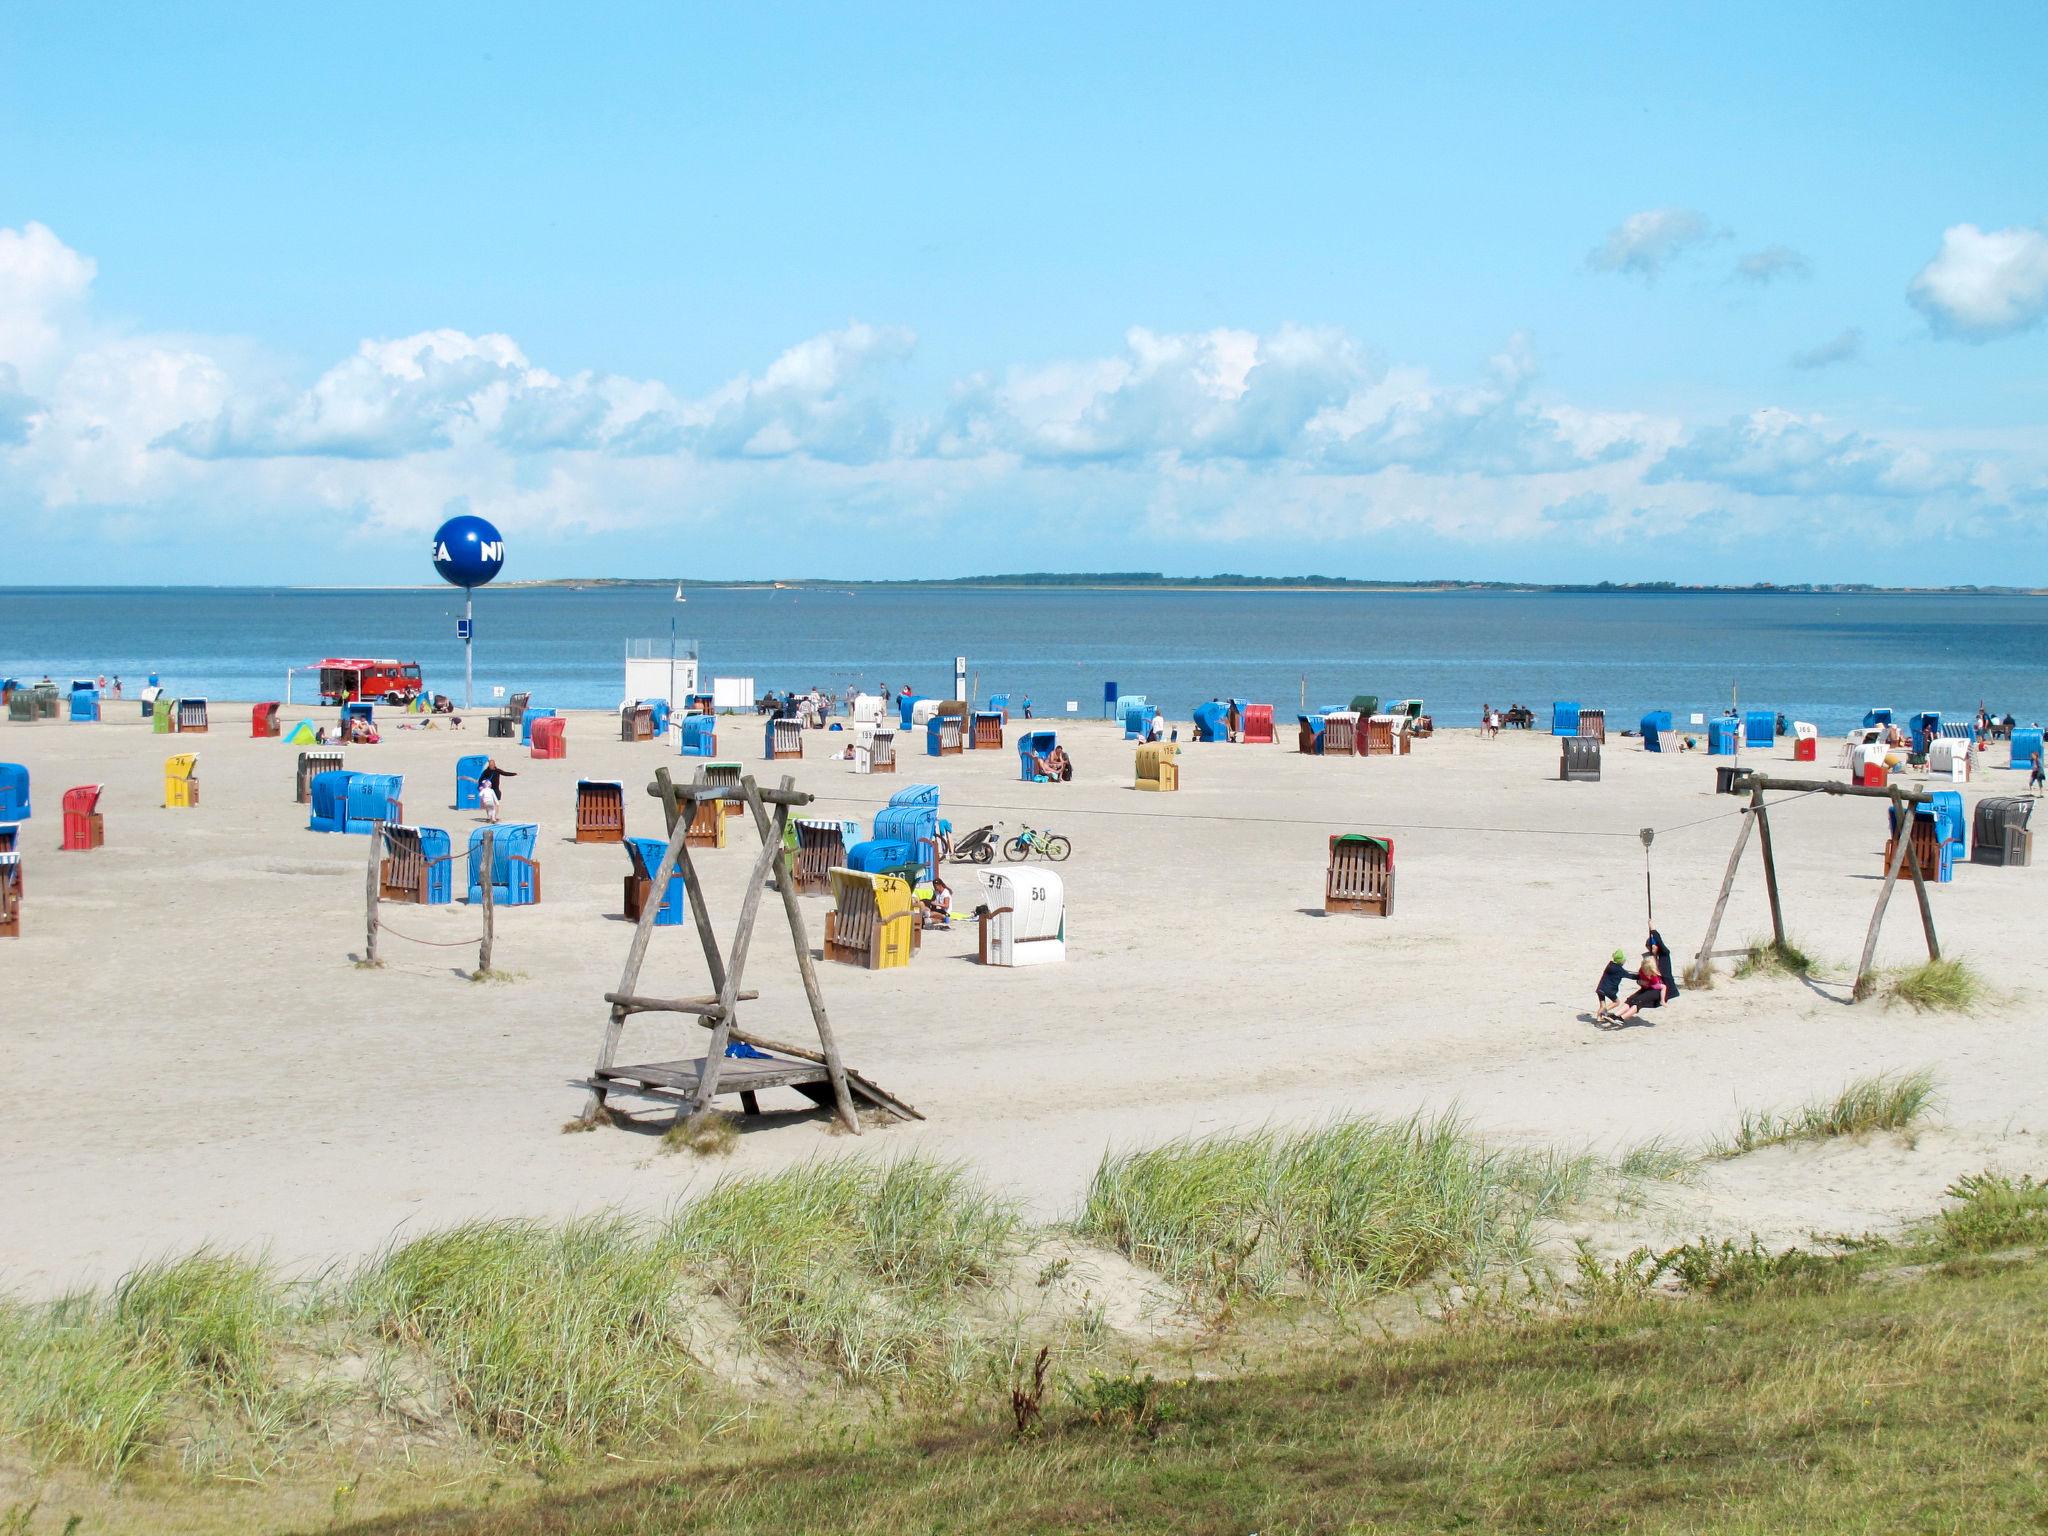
(497, 693)
(1073, 707)
(732, 693)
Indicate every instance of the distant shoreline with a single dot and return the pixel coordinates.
(1102, 583)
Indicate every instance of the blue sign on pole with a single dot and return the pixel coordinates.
(468, 552)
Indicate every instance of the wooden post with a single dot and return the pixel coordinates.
(1901, 845)
(370, 883)
(636, 954)
(785, 881)
(742, 940)
(1763, 833)
(1705, 959)
(488, 854)
(1920, 893)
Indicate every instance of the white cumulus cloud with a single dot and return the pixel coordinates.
(1983, 284)
(1774, 452)
(1644, 244)
(1844, 347)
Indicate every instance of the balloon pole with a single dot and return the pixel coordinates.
(468, 648)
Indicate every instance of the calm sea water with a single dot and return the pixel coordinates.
(1819, 658)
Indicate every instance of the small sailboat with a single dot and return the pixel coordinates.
(679, 593)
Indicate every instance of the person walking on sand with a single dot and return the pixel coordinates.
(490, 788)
(2036, 780)
(1607, 994)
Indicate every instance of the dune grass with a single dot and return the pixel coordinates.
(1993, 1211)
(104, 1377)
(713, 1133)
(1885, 1102)
(1938, 986)
(1657, 1159)
(1356, 1206)
(1831, 1410)
(552, 1338)
(858, 1264)
(1767, 957)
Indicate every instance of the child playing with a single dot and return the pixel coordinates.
(1608, 994)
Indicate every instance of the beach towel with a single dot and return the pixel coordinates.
(744, 1052)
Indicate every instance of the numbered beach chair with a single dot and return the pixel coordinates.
(2025, 747)
(1948, 759)
(416, 866)
(10, 895)
(48, 705)
(21, 707)
(783, 740)
(84, 827)
(1137, 716)
(1935, 855)
(1579, 761)
(85, 705)
(370, 798)
(726, 776)
(600, 811)
(942, 736)
(550, 737)
(1258, 724)
(1340, 734)
(1724, 736)
(163, 715)
(1360, 878)
(1564, 718)
(821, 847)
(263, 718)
(191, 717)
(1760, 728)
(1999, 831)
(870, 924)
(1158, 766)
(181, 780)
(14, 803)
(881, 753)
(869, 708)
(514, 875)
(1805, 742)
(636, 721)
(528, 719)
(698, 736)
(1593, 723)
(644, 855)
(912, 816)
(1025, 919)
(988, 729)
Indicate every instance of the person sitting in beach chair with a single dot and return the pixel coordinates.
(934, 903)
(1607, 993)
(1058, 766)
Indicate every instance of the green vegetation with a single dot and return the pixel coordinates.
(713, 1133)
(1886, 1102)
(857, 1264)
(1354, 1207)
(1768, 957)
(553, 1339)
(1993, 1211)
(1792, 1404)
(1657, 1159)
(1939, 986)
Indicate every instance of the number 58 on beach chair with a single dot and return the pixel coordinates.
(1360, 878)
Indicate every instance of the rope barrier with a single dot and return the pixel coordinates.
(384, 928)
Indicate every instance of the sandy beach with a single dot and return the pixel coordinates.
(189, 1054)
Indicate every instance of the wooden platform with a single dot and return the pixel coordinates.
(675, 1082)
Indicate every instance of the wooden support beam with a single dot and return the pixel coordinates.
(1901, 846)
(1705, 957)
(695, 793)
(370, 892)
(636, 955)
(703, 1007)
(742, 940)
(1832, 787)
(1763, 835)
(785, 882)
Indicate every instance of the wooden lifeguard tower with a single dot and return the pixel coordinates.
(693, 1083)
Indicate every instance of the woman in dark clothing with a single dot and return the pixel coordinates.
(1655, 945)
(490, 787)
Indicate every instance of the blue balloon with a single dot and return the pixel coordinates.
(468, 551)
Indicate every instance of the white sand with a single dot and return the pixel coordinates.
(188, 1054)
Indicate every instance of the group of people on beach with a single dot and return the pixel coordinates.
(1656, 983)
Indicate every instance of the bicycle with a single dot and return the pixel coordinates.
(1028, 842)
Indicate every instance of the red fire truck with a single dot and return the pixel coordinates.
(345, 679)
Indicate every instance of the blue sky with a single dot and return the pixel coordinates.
(1459, 290)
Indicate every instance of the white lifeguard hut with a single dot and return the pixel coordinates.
(661, 669)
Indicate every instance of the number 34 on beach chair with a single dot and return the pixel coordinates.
(870, 924)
